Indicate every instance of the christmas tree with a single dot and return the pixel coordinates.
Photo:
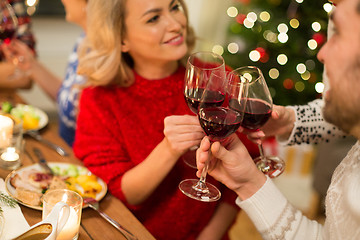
(282, 38)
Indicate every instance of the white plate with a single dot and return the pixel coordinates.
(44, 119)
(12, 191)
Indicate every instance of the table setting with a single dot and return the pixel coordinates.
(99, 209)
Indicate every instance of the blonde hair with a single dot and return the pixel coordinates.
(100, 55)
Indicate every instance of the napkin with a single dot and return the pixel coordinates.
(15, 223)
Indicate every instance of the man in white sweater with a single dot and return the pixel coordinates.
(270, 211)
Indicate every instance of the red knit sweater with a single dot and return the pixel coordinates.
(118, 128)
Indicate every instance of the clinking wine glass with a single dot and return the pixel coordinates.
(8, 31)
(218, 122)
(200, 66)
(8, 22)
(257, 112)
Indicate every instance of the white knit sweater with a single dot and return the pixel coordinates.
(276, 219)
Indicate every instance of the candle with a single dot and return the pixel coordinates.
(6, 129)
(10, 155)
(71, 228)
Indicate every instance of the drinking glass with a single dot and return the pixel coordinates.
(257, 112)
(218, 121)
(70, 231)
(8, 31)
(200, 66)
(8, 22)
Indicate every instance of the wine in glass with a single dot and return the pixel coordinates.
(257, 112)
(200, 66)
(218, 121)
(8, 22)
(8, 31)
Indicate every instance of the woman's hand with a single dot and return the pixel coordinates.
(19, 54)
(280, 124)
(182, 133)
(232, 165)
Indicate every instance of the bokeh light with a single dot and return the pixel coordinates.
(264, 16)
(218, 49)
(319, 87)
(282, 59)
(274, 73)
(312, 44)
(294, 23)
(232, 12)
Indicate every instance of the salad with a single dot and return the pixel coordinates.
(26, 113)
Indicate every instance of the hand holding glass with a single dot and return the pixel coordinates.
(219, 121)
(200, 66)
(257, 112)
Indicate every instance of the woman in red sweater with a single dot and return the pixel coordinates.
(134, 125)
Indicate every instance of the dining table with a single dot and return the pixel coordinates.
(92, 226)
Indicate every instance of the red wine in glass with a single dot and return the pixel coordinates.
(257, 112)
(200, 66)
(193, 96)
(219, 122)
(7, 35)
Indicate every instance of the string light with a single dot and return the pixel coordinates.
(218, 49)
(328, 7)
(306, 75)
(264, 16)
(282, 28)
(270, 36)
(233, 48)
(299, 86)
(294, 23)
(254, 55)
(232, 11)
(319, 87)
(282, 59)
(252, 17)
(316, 26)
(310, 64)
(248, 24)
(283, 37)
(274, 73)
(301, 68)
(299, 1)
(312, 44)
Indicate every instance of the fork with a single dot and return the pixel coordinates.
(94, 204)
(35, 134)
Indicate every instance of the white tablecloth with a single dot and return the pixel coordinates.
(15, 223)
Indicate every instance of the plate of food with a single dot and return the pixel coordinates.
(28, 184)
(32, 117)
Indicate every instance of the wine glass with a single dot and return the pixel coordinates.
(257, 112)
(8, 31)
(218, 121)
(200, 66)
(8, 22)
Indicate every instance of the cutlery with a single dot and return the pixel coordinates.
(42, 161)
(37, 136)
(94, 204)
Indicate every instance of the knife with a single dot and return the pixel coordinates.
(38, 137)
(42, 161)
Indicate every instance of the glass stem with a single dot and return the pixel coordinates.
(261, 150)
(206, 167)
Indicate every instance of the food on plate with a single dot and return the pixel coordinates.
(27, 114)
(31, 184)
